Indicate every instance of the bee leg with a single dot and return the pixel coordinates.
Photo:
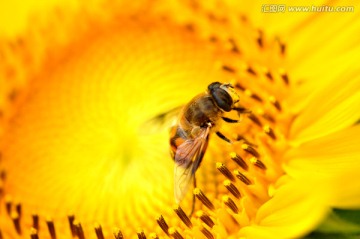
(241, 110)
(223, 137)
(229, 120)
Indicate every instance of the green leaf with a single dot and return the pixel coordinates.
(341, 222)
(318, 235)
(349, 215)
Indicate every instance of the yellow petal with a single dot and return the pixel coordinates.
(334, 60)
(346, 190)
(326, 60)
(256, 231)
(342, 64)
(333, 108)
(327, 53)
(330, 155)
(294, 210)
(334, 40)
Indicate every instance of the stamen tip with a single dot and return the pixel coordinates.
(174, 233)
(232, 188)
(219, 165)
(98, 231)
(205, 218)
(232, 154)
(197, 191)
(227, 182)
(225, 171)
(230, 203)
(182, 215)
(258, 163)
(242, 177)
(267, 129)
(140, 233)
(245, 146)
(238, 160)
(203, 198)
(275, 102)
(117, 233)
(207, 233)
(153, 235)
(34, 233)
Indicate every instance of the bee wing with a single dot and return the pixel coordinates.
(187, 159)
(161, 121)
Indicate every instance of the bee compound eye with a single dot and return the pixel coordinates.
(214, 85)
(222, 99)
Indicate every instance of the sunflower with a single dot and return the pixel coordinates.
(80, 85)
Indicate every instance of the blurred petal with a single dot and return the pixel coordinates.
(330, 155)
(342, 67)
(279, 217)
(334, 35)
(345, 189)
(333, 108)
(256, 231)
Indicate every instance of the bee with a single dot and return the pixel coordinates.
(189, 137)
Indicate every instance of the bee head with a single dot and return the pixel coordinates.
(224, 95)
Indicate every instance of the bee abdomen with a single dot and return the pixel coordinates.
(178, 137)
